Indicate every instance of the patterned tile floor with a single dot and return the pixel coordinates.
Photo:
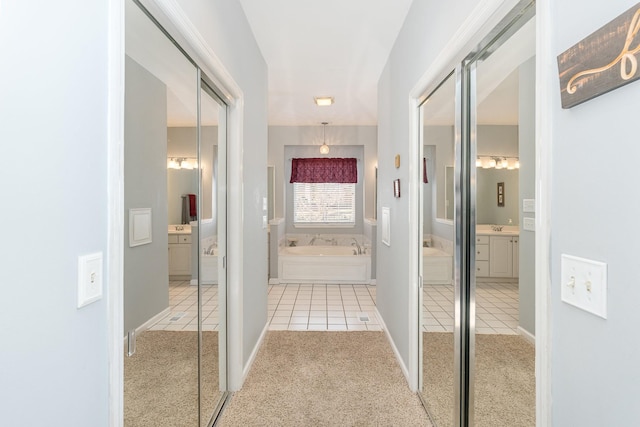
(183, 299)
(321, 307)
(496, 308)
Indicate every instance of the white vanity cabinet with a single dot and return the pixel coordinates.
(179, 255)
(497, 256)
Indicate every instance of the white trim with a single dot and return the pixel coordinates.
(115, 215)
(546, 84)
(254, 353)
(215, 70)
(274, 281)
(149, 323)
(373, 282)
(403, 367)
(531, 339)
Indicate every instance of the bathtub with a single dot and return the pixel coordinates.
(323, 264)
(437, 266)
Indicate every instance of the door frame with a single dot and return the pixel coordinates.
(172, 17)
(480, 23)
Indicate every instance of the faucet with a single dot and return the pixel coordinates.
(313, 239)
(357, 245)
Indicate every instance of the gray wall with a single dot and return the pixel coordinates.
(594, 362)
(488, 211)
(365, 136)
(305, 151)
(53, 116)
(182, 142)
(146, 273)
(527, 174)
(225, 29)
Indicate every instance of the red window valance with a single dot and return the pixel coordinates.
(322, 169)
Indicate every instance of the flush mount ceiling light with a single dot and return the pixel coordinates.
(324, 148)
(323, 101)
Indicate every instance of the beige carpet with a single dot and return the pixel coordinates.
(161, 379)
(325, 379)
(504, 385)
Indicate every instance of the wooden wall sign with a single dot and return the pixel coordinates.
(602, 62)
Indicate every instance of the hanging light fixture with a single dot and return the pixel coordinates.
(324, 148)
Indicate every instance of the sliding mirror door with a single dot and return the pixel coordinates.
(160, 304)
(503, 85)
(438, 296)
(175, 191)
(212, 252)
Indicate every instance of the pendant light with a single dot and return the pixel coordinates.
(324, 148)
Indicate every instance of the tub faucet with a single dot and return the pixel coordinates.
(357, 245)
(313, 239)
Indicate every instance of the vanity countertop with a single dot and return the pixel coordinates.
(180, 229)
(507, 230)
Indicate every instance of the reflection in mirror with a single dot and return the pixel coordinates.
(160, 304)
(437, 324)
(212, 276)
(504, 265)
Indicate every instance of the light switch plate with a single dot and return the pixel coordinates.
(264, 221)
(529, 224)
(584, 284)
(89, 278)
(529, 205)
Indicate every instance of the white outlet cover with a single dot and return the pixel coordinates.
(89, 279)
(584, 284)
(529, 224)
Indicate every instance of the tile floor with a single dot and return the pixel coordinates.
(321, 307)
(183, 298)
(496, 308)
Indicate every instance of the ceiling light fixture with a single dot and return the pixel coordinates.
(498, 162)
(324, 148)
(323, 101)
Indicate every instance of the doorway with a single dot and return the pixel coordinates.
(477, 301)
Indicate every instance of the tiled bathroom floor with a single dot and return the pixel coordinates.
(183, 299)
(496, 308)
(340, 308)
(320, 307)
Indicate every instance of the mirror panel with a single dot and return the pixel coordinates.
(212, 275)
(160, 303)
(504, 386)
(437, 299)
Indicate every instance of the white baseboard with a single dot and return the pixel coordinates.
(403, 367)
(373, 282)
(274, 281)
(254, 353)
(527, 335)
(146, 325)
(193, 282)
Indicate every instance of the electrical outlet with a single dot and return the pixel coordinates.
(89, 278)
(584, 284)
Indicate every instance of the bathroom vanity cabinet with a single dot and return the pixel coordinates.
(497, 256)
(180, 255)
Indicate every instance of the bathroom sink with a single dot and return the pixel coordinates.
(180, 229)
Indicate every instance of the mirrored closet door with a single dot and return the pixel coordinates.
(477, 167)
(175, 197)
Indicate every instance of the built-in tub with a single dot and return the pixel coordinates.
(209, 262)
(323, 264)
(437, 266)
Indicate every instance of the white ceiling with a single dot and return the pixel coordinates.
(325, 48)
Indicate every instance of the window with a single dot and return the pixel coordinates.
(325, 203)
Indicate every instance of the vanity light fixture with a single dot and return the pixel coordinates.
(182, 163)
(324, 148)
(323, 101)
(498, 162)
